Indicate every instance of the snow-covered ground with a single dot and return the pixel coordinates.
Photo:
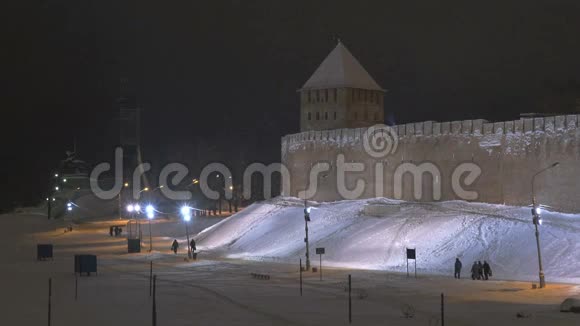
(440, 232)
(267, 238)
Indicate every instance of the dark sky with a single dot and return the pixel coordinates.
(226, 72)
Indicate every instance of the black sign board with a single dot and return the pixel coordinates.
(320, 251)
(411, 254)
(43, 251)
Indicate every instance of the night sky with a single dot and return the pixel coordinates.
(225, 73)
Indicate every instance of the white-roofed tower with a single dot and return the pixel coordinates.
(340, 94)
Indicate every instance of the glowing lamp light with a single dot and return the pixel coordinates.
(308, 209)
(137, 207)
(69, 208)
(540, 221)
(56, 188)
(63, 180)
(130, 208)
(150, 210)
(538, 210)
(186, 213)
(56, 175)
(68, 204)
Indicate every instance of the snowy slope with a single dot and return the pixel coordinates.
(502, 235)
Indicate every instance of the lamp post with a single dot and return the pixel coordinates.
(186, 213)
(125, 185)
(306, 220)
(150, 210)
(536, 220)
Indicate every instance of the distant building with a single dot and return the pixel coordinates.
(340, 94)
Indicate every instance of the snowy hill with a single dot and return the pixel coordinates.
(502, 235)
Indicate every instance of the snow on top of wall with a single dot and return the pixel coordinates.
(489, 135)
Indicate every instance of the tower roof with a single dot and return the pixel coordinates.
(341, 69)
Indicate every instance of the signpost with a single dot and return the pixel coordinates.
(320, 252)
(411, 254)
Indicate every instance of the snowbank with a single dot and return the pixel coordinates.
(502, 235)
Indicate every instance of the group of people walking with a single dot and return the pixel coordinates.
(175, 246)
(479, 271)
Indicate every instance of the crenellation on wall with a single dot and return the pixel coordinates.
(538, 124)
(455, 127)
(467, 127)
(488, 128)
(401, 130)
(549, 125)
(410, 129)
(436, 129)
(509, 127)
(560, 122)
(428, 128)
(445, 128)
(498, 127)
(528, 125)
(519, 126)
(418, 128)
(478, 126)
(571, 121)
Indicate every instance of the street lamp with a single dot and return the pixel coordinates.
(186, 214)
(536, 211)
(306, 220)
(125, 185)
(150, 210)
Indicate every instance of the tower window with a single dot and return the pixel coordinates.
(325, 95)
(309, 98)
(309, 116)
(335, 95)
(325, 115)
(317, 115)
(334, 115)
(317, 96)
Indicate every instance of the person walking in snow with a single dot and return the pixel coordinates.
(458, 266)
(192, 245)
(480, 270)
(486, 270)
(474, 271)
(174, 246)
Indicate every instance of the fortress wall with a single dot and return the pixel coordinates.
(508, 153)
